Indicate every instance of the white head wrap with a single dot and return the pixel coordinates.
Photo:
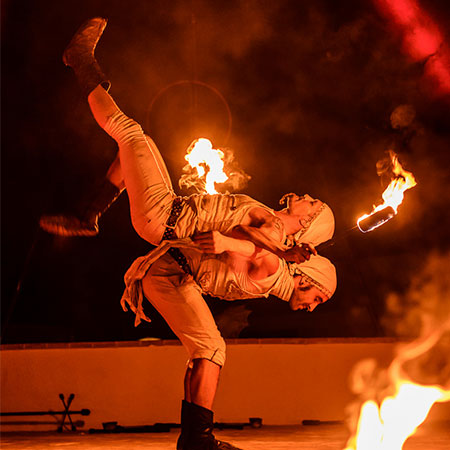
(319, 271)
(319, 228)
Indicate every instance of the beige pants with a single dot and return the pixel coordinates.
(173, 293)
(146, 177)
(178, 298)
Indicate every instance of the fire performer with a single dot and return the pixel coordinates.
(158, 215)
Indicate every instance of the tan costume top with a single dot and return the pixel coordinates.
(213, 274)
(219, 277)
(220, 212)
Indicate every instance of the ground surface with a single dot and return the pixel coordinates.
(323, 437)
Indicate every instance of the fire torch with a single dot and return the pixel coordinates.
(392, 198)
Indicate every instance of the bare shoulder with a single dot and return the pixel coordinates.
(260, 216)
(268, 223)
(273, 227)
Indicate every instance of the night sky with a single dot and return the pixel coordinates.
(302, 92)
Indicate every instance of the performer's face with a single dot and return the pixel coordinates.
(303, 206)
(305, 296)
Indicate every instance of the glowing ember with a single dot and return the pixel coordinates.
(208, 163)
(392, 196)
(388, 426)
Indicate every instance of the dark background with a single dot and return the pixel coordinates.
(310, 87)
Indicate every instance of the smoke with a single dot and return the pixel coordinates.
(402, 116)
(385, 168)
(426, 304)
(237, 178)
(423, 312)
(208, 25)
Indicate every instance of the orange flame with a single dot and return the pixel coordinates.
(208, 163)
(394, 193)
(388, 426)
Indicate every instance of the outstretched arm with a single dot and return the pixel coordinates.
(258, 262)
(215, 242)
(262, 237)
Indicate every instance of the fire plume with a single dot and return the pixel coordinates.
(387, 426)
(208, 163)
(393, 194)
(402, 181)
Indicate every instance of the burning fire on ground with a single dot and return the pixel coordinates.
(386, 423)
(207, 167)
(392, 196)
(393, 402)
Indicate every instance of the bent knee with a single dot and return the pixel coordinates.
(141, 226)
(215, 352)
(151, 231)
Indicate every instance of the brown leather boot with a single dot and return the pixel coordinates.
(84, 222)
(79, 55)
(184, 425)
(200, 435)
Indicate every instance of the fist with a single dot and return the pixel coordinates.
(299, 253)
(212, 242)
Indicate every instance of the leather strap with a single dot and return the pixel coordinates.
(169, 233)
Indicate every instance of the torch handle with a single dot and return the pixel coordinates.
(325, 245)
(331, 242)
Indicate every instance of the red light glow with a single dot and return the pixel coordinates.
(422, 38)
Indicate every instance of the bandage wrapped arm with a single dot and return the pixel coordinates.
(214, 242)
(263, 238)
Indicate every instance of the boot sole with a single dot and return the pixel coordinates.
(61, 228)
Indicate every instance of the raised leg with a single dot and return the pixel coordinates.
(145, 175)
(140, 166)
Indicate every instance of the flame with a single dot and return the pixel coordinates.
(394, 193)
(208, 163)
(388, 426)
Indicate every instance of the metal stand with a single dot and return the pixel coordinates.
(65, 414)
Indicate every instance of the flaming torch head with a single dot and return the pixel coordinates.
(392, 196)
(371, 221)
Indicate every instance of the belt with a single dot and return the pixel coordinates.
(169, 233)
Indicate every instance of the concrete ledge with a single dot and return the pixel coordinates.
(284, 381)
(163, 342)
